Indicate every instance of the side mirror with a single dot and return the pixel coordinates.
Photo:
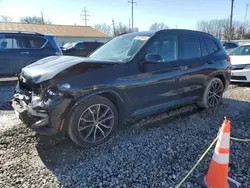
(153, 58)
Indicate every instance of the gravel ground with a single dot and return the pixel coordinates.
(155, 152)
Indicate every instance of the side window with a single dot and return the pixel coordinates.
(166, 47)
(12, 42)
(204, 51)
(34, 42)
(211, 46)
(190, 47)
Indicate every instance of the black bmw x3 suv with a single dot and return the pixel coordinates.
(133, 75)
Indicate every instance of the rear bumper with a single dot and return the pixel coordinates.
(240, 75)
(44, 117)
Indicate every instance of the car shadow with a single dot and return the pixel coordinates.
(60, 155)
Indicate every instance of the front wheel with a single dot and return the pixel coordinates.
(93, 122)
(212, 95)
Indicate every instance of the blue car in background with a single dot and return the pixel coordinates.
(19, 49)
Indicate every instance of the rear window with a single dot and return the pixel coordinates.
(211, 46)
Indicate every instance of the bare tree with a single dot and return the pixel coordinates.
(136, 29)
(104, 28)
(4, 18)
(121, 28)
(158, 26)
(220, 28)
(34, 20)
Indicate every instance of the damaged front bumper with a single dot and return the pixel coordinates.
(44, 116)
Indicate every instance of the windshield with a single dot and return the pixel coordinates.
(69, 45)
(121, 48)
(241, 50)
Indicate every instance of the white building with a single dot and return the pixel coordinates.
(63, 33)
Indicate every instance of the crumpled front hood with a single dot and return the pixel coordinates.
(49, 67)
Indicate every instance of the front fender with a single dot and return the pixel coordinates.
(119, 104)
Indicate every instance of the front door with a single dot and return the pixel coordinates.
(10, 57)
(156, 85)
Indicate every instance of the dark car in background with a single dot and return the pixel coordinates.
(131, 76)
(82, 49)
(19, 49)
(229, 46)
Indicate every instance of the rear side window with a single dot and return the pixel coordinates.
(191, 47)
(34, 42)
(211, 46)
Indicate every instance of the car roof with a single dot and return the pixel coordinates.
(21, 32)
(151, 33)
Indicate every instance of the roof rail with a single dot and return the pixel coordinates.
(23, 32)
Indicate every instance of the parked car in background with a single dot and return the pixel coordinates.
(19, 49)
(65, 45)
(131, 76)
(240, 59)
(82, 49)
(229, 46)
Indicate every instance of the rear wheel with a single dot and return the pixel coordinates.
(93, 122)
(213, 93)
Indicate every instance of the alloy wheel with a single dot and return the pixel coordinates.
(215, 93)
(95, 123)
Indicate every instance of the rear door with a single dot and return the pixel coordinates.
(196, 65)
(37, 47)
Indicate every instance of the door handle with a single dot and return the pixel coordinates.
(210, 62)
(25, 53)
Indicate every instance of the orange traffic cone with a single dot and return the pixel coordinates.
(217, 175)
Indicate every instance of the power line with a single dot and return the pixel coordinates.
(231, 20)
(85, 15)
(246, 13)
(132, 3)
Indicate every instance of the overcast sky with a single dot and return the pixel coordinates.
(181, 13)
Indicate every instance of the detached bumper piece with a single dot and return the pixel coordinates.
(34, 113)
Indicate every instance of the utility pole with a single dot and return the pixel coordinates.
(85, 15)
(129, 25)
(231, 20)
(132, 3)
(246, 13)
(42, 17)
(113, 24)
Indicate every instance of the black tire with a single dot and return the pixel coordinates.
(206, 98)
(82, 110)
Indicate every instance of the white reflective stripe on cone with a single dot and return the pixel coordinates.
(221, 158)
(224, 140)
